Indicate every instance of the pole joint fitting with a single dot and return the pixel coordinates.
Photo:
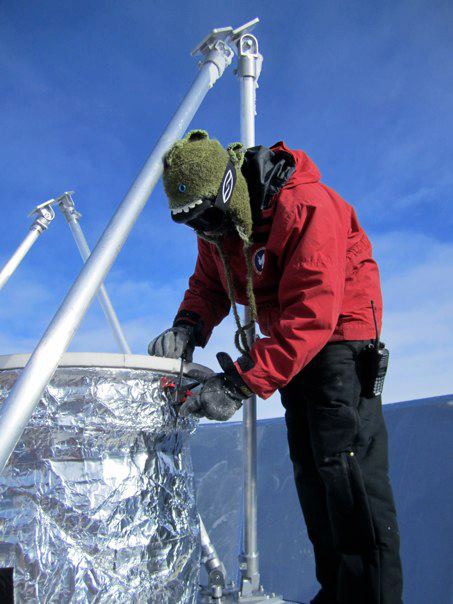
(250, 60)
(249, 567)
(215, 49)
(221, 55)
(68, 208)
(218, 46)
(44, 215)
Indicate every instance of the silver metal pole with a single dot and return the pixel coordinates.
(18, 256)
(24, 396)
(45, 215)
(66, 204)
(249, 68)
(212, 563)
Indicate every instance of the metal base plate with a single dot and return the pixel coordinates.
(262, 599)
(231, 596)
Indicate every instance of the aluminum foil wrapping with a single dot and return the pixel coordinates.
(97, 501)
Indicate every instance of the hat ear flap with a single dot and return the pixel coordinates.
(169, 157)
(236, 152)
(196, 135)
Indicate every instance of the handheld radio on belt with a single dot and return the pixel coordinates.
(374, 364)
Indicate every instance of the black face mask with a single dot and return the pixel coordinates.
(211, 215)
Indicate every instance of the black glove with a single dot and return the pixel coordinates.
(174, 343)
(220, 396)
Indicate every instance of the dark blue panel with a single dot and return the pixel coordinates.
(287, 563)
(420, 436)
(217, 460)
(420, 443)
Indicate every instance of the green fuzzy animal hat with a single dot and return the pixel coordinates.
(194, 169)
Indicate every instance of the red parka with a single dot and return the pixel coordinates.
(314, 278)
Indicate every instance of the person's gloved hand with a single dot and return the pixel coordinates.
(220, 396)
(174, 343)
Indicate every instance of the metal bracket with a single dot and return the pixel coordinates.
(244, 29)
(215, 49)
(250, 59)
(215, 569)
(45, 212)
(216, 574)
(263, 598)
(44, 216)
(250, 580)
(218, 46)
(67, 206)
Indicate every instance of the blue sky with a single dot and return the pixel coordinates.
(366, 88)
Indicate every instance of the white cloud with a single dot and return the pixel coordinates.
(20, 296)
(418, 314)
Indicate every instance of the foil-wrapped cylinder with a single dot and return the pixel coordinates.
(97, 500)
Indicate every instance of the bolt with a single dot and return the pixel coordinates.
(217, 592)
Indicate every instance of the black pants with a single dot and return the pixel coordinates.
(338, 446)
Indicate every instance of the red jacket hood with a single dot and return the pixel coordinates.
(306, 170)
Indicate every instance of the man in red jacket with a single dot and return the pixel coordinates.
(319, 307)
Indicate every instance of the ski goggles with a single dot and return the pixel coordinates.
(209, 214)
